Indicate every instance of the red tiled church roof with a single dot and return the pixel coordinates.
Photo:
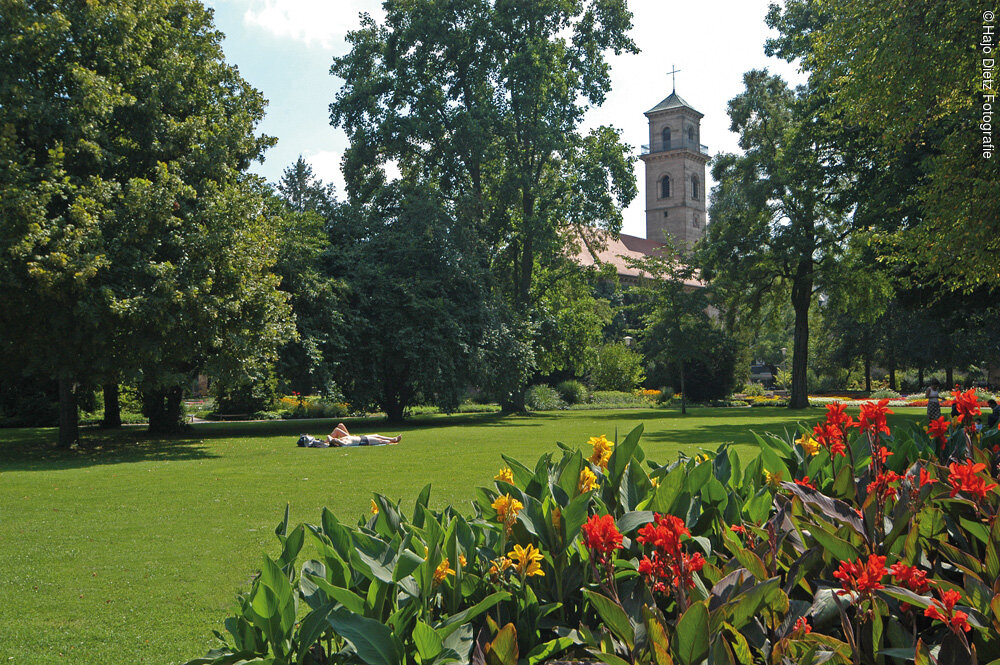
(617, 250)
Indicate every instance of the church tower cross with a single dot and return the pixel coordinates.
(673, 76)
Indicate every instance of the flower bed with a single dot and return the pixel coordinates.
(844, 543)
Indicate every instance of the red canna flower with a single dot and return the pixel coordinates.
(882, 454)
(831, 436)
(863, 578)
(804, 482)
(967, 404)
(802, 624)
(664, 533)
(956, 621)
(882, 485)
(925, 477)
(964, 478)
(938, 429)
(601, 536)
(911, 577)
(872, 418)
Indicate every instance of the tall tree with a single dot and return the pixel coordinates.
(778, 218)
(132, 245)
(904, 76)
(304, 211)
(414, 309)
(485, 99)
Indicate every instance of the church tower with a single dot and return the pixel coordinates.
(675, 173)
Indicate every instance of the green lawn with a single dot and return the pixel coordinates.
(133, 551)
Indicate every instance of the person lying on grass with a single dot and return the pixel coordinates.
(341, 438)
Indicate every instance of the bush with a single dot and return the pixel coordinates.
(572, 392)
(246, 397)
(753, 389)
(885, 393)
(27, 402)
(708, 377)
(666, 395)
(616, 367)
(543, 398)
(728, 545)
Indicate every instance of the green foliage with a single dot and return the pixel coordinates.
(415, 308)
(133, 244)
(615, 366)
(885, 394)
(410, 585)
(245, 398)
(543, 398)
(572, 392)
(501, 96)
(302, 213)
(753, 389)
(778, 212)
(915, 158)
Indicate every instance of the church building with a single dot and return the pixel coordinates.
(675, 164)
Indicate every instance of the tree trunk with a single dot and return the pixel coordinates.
(112, 407)
(949, 378)
(920, 377)
(684, 396)
(892, 376)
(163, 408)
(801, 299)
(69, 421)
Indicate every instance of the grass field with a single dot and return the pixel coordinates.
(132, 550)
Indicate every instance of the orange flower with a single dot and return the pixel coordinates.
(956, 621)
(938, 429)
(967, 404)
(863, 578)
(965, 478)
(872, 418)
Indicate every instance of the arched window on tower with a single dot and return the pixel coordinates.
(695, 187)
(666, 138)
(665, 187)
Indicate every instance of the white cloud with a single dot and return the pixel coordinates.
(314, 22)
(326, 166)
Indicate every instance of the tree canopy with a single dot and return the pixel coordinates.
(133, 244)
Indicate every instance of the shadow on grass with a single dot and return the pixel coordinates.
(33, 449)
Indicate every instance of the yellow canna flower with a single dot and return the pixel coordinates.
(602, 450)
(462, 560)
(527, 560)
(655, 482)
(557, 519)
(507, 509)
(374, 508)
(506, 475)
(588, 481)
(442, 572)
(809, 444)
(773, 479)
(499, 566)
(700, 459)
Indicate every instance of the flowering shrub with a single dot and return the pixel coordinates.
(844, 542)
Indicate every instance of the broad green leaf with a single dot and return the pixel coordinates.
(345, 597)
(503, 649)
(455, 621)
(691, 638)
(374, 642)
(427, 641)
(546, 650)
(613, 616)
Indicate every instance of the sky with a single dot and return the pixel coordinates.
(285, 49)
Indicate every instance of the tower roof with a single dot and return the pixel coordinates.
(674, 101)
